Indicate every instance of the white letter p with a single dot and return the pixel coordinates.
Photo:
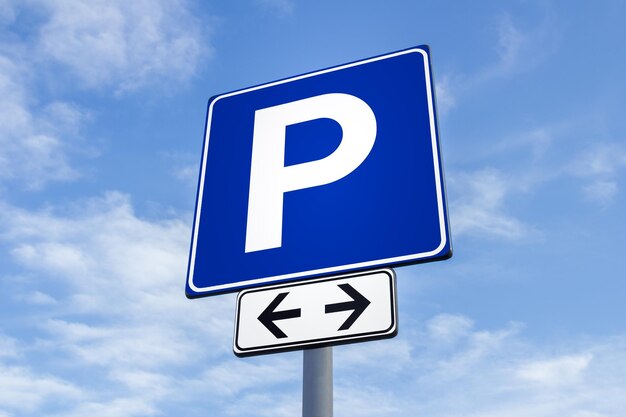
(270, 179)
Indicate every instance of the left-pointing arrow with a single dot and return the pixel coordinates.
(269, 316)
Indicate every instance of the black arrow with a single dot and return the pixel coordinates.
(269, 316)
(358, 304)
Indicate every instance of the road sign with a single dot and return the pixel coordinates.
(320, 312)
(332, 171)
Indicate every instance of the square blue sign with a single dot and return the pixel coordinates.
(319, 174)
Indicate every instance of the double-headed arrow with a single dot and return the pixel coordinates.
(358, 305)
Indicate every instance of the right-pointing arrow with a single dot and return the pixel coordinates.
(359, 303)
(269, 316)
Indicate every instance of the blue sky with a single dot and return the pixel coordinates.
(102, 108)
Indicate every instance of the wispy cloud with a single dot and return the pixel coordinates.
(36, 298)
(603, 159)
(117, 407)
(448, 328)
(123, 45)
(601, 192)
(23, 390)
(488, 372)
(284, 404)
(226, 379)
(31, 149)
(445, 94)
(109, 46)
(121, 316)
(394, 354)
(566, 369)
(525, 163)
(479, 207)
(100, 250)
(8, 346)
(514, 51)
(597, 168)
(516, 46)
(354, 399)
(184, 167)
(511, 42)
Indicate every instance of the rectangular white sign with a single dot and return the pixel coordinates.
(326, 311)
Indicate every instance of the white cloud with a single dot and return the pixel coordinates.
(183, 167)
(135, 345)
(511, 42)
(36, 298)
(188, 174)
(561, 370)
(141, 381)
(22, 390)
(602, 160)
(8, 347)
(556, 152)
(599, 168)
(395, 354)
(537, 142)
(120, 314)
(63, 118)
(488, 373)
(59, 257)
(226, 379)
(31, 152)
(265, 405)
(101, 251)
(479, 206)
(123, 44)
(115, 46)
(601, 192)
(106, 238)
(357, 400)
(448, 328)
(446, 99)
(118, 407)
(476, 348)
(516, 47)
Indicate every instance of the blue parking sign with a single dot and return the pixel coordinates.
(322, 173)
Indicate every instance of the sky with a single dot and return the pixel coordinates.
(102, 111)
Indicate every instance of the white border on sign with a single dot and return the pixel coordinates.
(341, 268)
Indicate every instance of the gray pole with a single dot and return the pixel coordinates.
(317, 382)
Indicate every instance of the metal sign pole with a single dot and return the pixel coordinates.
(317, 382)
